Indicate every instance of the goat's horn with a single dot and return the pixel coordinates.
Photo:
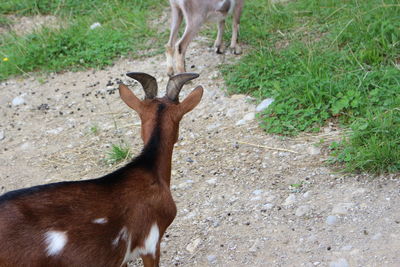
(148, 82)
(176, 83)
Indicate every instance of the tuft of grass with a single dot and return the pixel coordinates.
(118, 153)
(373, 146)
(124, 29)
(94, 129)
(320, 61)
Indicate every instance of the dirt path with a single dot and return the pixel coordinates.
(236, 205)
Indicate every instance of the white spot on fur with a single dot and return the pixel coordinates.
(150, 245)
(122, 235)
(100, 220)
(55, 241)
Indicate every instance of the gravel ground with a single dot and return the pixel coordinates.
(245, 198)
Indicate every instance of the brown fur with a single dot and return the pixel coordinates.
(135, 196)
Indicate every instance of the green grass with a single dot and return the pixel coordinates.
(327, 60)
(125, 29)
(94, 129)
(118, 153)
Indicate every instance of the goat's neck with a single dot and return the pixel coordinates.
(164, 159)
(159, 148)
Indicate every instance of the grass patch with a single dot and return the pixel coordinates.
(118, 153)
(124, 29)
(326, 60)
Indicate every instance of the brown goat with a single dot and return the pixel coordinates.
(110, 220)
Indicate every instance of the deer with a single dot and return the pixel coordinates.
(111, 220)
(196, 13)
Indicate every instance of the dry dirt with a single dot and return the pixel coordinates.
(236, 205)
(21, 25)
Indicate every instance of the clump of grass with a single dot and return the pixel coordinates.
(374, 144)
(124, 29)
(339, 62)
(118, 153)
(94, 129)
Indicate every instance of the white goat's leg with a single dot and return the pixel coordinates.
(218, 41)
(237, 12)
(182, 45)
(176, 20)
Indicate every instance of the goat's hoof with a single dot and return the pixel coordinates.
(219, 50)
(237, 50)
(170, 72)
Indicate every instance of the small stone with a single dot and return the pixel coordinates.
(2, 136)
(255, 198)
(249, 116)
(26, 146)
(342, 208)
(313, 150)
(316, 263)
(302, 210)
(238, 96)
(211, 181)
(291, 199)
(331, 220)
(193, 245)
(257, 192)
(212, 259)
(347, 248)
(307, 194)
(213, 126)
(55, 131)
(264, 104)
(240, 122)
(18, 101)
(95, 25)
(339, 263)
(268, 206)
(376, 236)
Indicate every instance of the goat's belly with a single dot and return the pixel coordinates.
(215, 17)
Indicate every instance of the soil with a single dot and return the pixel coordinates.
(244, 197)
(21, 25)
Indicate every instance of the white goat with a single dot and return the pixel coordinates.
(196, 12)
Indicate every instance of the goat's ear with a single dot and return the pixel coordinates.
(192, 100)
(129, 98)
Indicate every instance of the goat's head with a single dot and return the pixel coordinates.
(149, 108)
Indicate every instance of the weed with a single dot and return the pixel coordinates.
(94, 129)
(118, 153)
(374, 144)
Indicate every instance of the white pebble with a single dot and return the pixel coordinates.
(212, 259)
(249, 117)
(18, 101)
(339, 263)
(264, 104)
(331, 220)
(291, 199)
(257, 192)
